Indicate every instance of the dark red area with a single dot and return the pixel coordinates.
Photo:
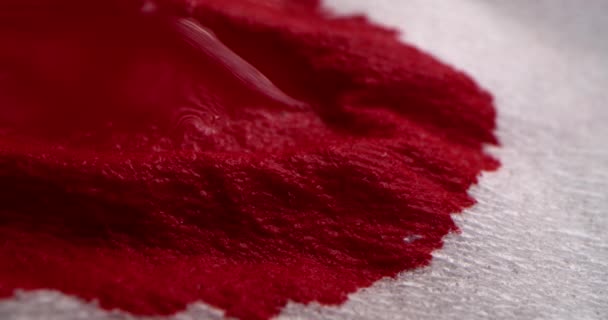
(138, 174)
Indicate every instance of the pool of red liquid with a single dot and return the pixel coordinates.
(138, 174)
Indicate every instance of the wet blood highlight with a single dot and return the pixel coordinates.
(242, 153)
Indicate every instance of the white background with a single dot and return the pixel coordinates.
(536, 245)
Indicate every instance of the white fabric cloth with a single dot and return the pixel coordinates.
(536, 244)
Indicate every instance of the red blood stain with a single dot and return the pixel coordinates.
(138, 172)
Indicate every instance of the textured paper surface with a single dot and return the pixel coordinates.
(536, 245)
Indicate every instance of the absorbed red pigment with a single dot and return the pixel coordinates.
(139, 173)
